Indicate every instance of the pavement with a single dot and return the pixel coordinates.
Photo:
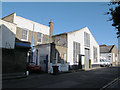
(97, 78)
(23, 75)
(13, 76)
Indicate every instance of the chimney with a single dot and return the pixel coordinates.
(51, 27)
(102, 45)
(51, 30)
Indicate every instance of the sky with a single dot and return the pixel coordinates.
(68, 16)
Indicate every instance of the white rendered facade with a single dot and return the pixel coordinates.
(8, 33)
(78, 36)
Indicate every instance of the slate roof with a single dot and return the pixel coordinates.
(106, 49)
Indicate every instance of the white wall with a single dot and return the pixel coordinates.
(8, 31)
(115, 59)
(106, 55)
(43, 50)
(28, 24)
(93, 43)
(78, 36)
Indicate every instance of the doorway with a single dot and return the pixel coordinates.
(87, 57)
(80, 61)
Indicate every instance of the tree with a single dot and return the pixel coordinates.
(115, 13)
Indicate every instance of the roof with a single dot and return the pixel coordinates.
(106, 49)
(59, 34)
(8, 15)
(68, 32)
(32, 21)
(23, 18)
(22, 44)
(38, 45)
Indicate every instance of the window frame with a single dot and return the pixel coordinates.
(95, 54)
(76, 51)
(41, 37)
(86, 39)
(26, 35)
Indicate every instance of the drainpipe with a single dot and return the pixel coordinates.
(32, 43)
(56, 58)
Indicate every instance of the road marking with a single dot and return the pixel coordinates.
(111, 83)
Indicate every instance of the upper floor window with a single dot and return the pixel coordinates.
(39, 37)
(76, 51)
(87, 39)
(24, 34)
(95, 54)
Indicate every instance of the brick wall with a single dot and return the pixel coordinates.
(9, 18)
(45, 38)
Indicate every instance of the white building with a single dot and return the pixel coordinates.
(7, 34)
(82, 42)
(110, 53)
(82, 48)
(28, 30)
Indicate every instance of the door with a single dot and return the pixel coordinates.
(87, 59)
(80, 61)
(44, 62)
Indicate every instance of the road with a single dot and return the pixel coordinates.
(96, 78)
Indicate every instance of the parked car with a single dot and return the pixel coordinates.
(32, 67)
(104, 63)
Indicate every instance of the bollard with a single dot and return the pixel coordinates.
(27, 73)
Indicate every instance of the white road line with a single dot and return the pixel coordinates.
(112, 82)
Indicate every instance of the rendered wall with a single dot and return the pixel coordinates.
(8, 31)
(78, 36)
(43, 50)
(28, 24)
(108, 56)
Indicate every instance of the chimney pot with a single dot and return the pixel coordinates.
(50, 20)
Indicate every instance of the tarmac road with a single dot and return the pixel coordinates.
(96, 78)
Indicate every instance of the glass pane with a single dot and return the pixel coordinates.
(39, 37)
(24, 34)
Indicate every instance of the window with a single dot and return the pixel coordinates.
(47, 39)
(39, 37)
(87, 39)
(63, 58)
(95, 54)
(76, 51)
(24, 34)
